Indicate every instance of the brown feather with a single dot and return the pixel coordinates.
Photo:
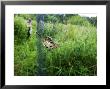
(48, 43)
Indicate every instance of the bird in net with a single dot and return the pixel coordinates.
(48, 42)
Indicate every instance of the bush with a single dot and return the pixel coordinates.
(76, 52)
(77, 20)
(20, 29)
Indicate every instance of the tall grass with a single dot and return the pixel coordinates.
(75, 56)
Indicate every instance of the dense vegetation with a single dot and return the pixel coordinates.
(76, 54)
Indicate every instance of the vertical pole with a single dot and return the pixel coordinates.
(63, 18)
(41, 56)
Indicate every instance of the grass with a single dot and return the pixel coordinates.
(75, 56)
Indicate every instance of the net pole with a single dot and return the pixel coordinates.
(40, 50)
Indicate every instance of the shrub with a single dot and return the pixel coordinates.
(77, 20)
(20, 29)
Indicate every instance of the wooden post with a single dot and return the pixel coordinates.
(40, 50)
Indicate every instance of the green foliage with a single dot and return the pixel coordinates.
(77, 20)
(92, 20)
(76, 53)
(20, 29)
(24, 49)
(26, 16)
(50, 18)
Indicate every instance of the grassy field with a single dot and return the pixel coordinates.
(76, 54)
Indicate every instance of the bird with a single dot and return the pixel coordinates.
(48, 42)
